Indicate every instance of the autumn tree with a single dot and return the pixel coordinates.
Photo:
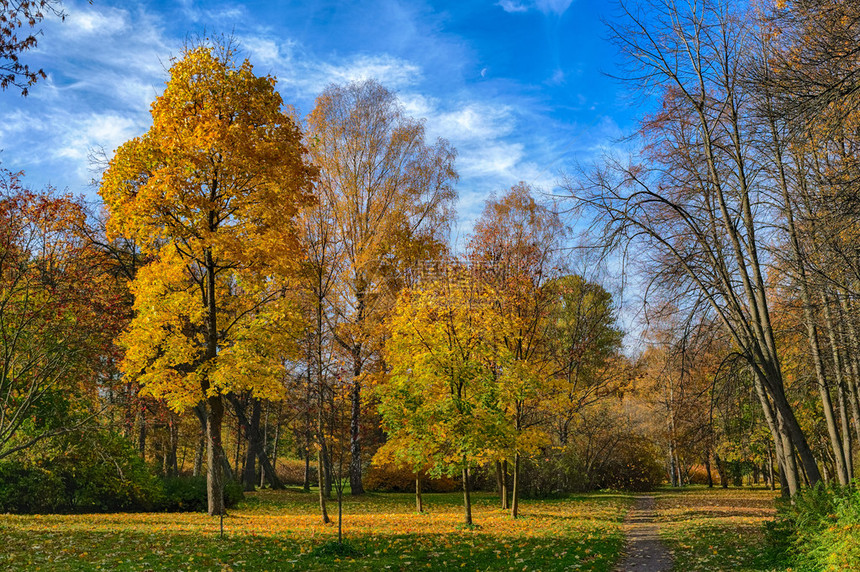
(210, 192)
(17, 16)
(57, 316)
(440, 403)
(698, 207)
(584, 341)
(515, 249)
(388, 193)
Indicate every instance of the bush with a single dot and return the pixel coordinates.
(292, 472)
(29, 490)
(97, 472)
(188, 494)
(397, 478)
(819, 531)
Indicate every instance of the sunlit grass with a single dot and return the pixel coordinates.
(715, 529)
(278, 530)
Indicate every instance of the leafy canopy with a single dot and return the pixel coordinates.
(210, 192)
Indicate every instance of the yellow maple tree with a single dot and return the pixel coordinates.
(210, 192)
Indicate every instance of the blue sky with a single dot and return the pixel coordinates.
(515, 85)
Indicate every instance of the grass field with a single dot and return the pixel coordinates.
(282, 531)
(716, 529)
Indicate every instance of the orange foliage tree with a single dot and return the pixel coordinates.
(57, 316)
(210, 192)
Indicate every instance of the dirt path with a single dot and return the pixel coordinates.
(644, 551)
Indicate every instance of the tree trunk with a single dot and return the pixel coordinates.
(771, 482)
(419, 502)
(214, 453)
(708, 469)
(141, 430)
(505, 505)
(467, 499)
(356, 486)
(255, 447)
(515, 496)
(198, 456)
(846, 456)
(721, 471)
(171, 457)
(254, 437)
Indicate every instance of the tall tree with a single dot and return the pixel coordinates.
(210, 192)
(515, 249)
(390, 195)
(698, 205)
(57, 316)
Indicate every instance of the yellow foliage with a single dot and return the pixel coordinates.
(210, 193)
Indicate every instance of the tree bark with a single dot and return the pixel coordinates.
(356, 486)
(515, 500)
(467, 498)
(254, 436)
(255, 447)
(708, 469)
(214, 456)
(419, 502)
(505, 505)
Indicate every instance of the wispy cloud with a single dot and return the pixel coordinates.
(556, 7)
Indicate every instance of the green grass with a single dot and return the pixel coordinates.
(716, 529)
(282, 531)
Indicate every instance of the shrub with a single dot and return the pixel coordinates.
(388, 477)
(633, 466)
(103, 472)
(188, 494)
(292, 472)
(29, 489)
(819, 531)
(96, 471)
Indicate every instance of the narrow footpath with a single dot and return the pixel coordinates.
(644, 552)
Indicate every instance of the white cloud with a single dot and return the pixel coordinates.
(557, 7)
(391, 72)
(102, 22)
(477, 121)
(512, 6)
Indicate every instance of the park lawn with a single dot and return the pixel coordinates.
(279, 530)
(716, 529)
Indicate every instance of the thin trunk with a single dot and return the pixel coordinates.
(321, 479)
(276, 442)
(306, 484)
(515, 497)
(254, 448)
(198, 456)
(467, 499)
(770, 469)
(356, 486)
(322, 466)
(253, 431)
(141, 430)
(721, 471)
(853, 373)
(340, 513)
(708, 469)
(419, 502)
(505, 485)
(172, 446)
